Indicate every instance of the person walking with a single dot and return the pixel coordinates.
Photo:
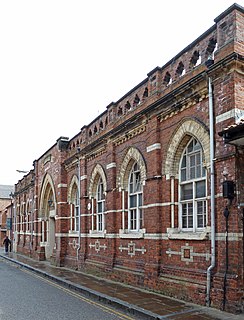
(7, 244)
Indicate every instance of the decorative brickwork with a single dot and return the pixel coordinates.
(132, 155)
(186, 130)
(129, 197)
(96, 174)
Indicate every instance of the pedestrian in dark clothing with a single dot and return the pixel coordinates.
(7, 243)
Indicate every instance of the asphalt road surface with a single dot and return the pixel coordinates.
(25, 295)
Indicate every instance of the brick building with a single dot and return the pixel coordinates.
(5, 212)
(149, 193)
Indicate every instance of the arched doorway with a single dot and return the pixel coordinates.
(48, 213)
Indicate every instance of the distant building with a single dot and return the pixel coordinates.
(150, 193)
(5, 211)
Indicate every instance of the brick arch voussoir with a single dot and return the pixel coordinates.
(96, 173)
(46, 184)
(186, 130)
(133, 155)
(73, 182)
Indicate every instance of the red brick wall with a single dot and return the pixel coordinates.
(158, 260)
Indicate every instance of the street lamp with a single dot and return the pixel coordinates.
(22, 171)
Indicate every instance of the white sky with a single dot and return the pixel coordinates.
(63, 62)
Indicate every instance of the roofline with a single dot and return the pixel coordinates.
(234, 6)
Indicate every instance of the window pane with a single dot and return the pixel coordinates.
(190, 222)
(183, 162)
(192, 161)
(184, 215)
(199, 221)
(133, 201)
(201, 214)
(100, 190)
(183, 174)
(137, 181)
(190, 215)
(187, 215)
(198, 158)
(140, 200)
(197, 145)
(198, 172)
(141, 219)
(77, 211)
(186, 191)
(203, 172)
(184, 222)
(192, 173)
(100, 207)
(200, 189)
(136, 167)
(190, 147)
(133, 219)
(100, 222)
(77, 224)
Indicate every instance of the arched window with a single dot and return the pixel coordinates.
(75, 208)
(100, 200)
(192, 188)
(97, 194)
(22, 217)
(135, 217)
(28, 218)
(17, 222)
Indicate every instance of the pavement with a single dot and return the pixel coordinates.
(139, 303)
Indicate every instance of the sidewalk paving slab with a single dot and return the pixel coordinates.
(139, 303)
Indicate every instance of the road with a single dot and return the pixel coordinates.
(25, 295)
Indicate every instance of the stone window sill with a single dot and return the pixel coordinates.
(97, 234)
(175, 233)
(126, 234)
(73, 233)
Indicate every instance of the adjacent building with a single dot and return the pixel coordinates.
(150, 193)
(6, 193)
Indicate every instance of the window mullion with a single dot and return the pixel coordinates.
(194, 207)
(137, 213)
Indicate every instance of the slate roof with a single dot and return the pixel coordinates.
(5, 191)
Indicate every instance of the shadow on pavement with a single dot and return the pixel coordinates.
(139, 303)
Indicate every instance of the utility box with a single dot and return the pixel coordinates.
(228, 189)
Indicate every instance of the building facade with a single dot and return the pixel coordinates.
(6, 212)
(149, 193)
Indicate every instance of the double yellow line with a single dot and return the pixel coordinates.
(80, 297)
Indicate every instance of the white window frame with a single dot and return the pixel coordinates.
(192, 181)
(27, 229)
(22, 218)
(135, 194)
(75, 210)
(100, 206)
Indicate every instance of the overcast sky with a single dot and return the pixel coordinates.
(63, 62)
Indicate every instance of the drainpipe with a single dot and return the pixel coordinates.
(212, 189)
(79, 225)
(226, 214)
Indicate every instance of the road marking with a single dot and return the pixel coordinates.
(80, 297)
